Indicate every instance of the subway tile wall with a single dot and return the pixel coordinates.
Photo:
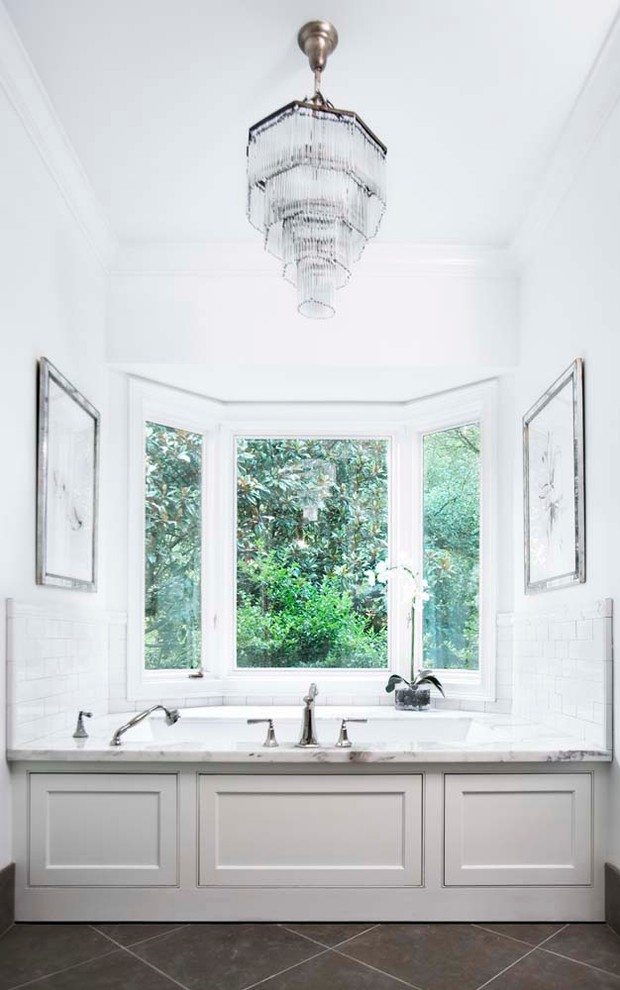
(562, 670)
(553, 667)
(57, 664)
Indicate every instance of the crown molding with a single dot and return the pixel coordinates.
(594, 105)
(248, 258)
(27, 95)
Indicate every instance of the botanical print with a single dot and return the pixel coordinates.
(70, 493)
(552, 502)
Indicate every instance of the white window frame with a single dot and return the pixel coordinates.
(477, 404)
(170, 407)
(404, 424)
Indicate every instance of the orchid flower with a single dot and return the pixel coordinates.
(414, 590)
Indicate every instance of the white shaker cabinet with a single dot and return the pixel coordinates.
(337, 830)
(518, 829)
(103, 829)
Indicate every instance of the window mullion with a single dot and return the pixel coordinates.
(402, 547)
(207, 604)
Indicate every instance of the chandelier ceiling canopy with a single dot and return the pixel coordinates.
(316, 184)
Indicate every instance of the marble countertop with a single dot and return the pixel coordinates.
(221, 735)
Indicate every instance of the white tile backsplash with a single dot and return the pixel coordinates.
(57, 664)
(553, 668)
(562, 670)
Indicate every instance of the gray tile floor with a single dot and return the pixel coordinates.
(310, 957)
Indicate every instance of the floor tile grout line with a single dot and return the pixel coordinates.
(513, 938)
(183, 985)
(7, 930)
(58, 972)
(599, 969)
(316, 941)
(351, 938)
(506, 968)
(151, 938)
(135, 955)
(492, 931)
(375, 969)
(308, 938)
(562, 928)
(156, 969)
(520, 959)
(280, 972)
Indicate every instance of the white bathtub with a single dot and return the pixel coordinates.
(201, 726)
(222, 734)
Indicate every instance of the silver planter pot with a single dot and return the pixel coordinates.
(414, 699)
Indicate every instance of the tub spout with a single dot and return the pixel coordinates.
(172, 716)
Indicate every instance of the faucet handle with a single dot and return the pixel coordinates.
(271, 740)
(343, 739)
(80, 731)
(312, 693)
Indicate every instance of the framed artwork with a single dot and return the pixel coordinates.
(67, 483)
(554, 485)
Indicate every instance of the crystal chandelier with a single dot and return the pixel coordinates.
(316, 185)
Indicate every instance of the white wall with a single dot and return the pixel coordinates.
(571, 307)
(52, 303)
(415, 316)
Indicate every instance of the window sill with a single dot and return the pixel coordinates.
(288, 687)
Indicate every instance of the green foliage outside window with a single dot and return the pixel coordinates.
(312, 522)
(312, 519)
(173, 501)
(452, 547)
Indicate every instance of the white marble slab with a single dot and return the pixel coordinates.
(222, 735)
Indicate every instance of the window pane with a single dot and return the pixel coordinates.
(452, 547)
(312, 521)
(172, 547)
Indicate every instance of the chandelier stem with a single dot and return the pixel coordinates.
(317, 82)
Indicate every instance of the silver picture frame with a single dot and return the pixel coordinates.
(67, 483)
(554, 485)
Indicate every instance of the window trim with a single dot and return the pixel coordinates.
(220, 423)
(475, 403)
(152, 403)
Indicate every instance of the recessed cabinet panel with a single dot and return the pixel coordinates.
(518, 829)
(103, 829)
(310, 831)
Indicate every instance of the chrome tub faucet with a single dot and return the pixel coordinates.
(80, 731)
(172, 716)
(308, 728)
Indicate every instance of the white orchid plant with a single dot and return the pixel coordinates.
(415, 591)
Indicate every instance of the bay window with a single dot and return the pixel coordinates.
(262, 539)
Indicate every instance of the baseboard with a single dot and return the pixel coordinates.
(612, 897)
(7, 897)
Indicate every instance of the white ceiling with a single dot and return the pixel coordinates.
(470, 96)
